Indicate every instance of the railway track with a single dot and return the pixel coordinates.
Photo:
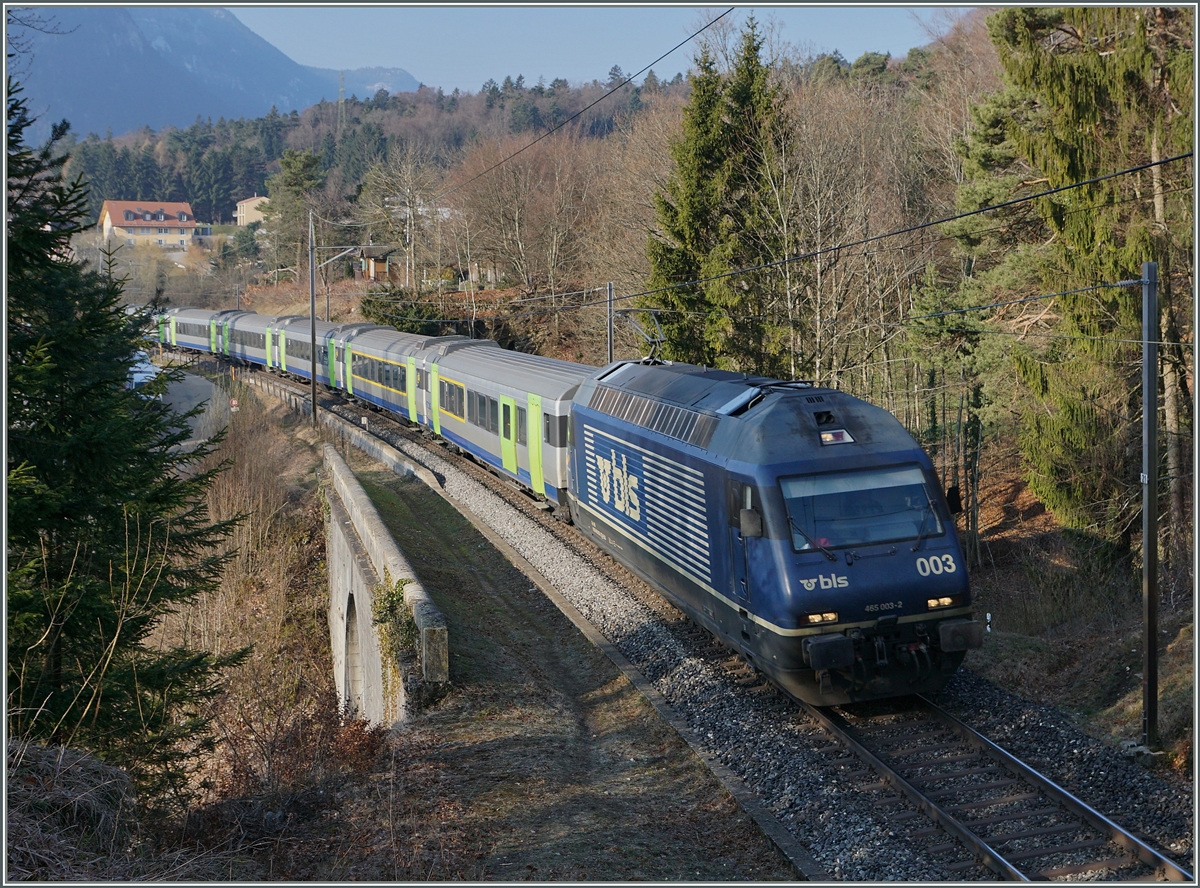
(986, 813)
(1004, 814)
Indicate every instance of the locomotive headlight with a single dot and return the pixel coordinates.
(939, 602)
(822, 618)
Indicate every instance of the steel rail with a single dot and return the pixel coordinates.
(988, 856)
(837, 726)
(1117, 834)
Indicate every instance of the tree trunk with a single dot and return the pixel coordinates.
(1177, 552)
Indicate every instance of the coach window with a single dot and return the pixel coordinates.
(507, 423)
(493, 415)
(554, 430)
(521, 421)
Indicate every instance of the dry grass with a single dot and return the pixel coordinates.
(281, 743)
(69, 815)
(281, 739)
(1067, 620)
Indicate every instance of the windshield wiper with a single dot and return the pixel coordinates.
(811, 541)
(928, 510)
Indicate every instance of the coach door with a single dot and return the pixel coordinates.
(411, 388)
(533, 435)
(737, 545)
(508, 433)
(434, 401)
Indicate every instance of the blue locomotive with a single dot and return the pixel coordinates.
(802, 526)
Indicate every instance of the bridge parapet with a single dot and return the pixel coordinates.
(363, 555)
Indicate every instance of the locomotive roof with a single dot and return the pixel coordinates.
(749, 418)
(684, 385)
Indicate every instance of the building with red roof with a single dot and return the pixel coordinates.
(167, 224)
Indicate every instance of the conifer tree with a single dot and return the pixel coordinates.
(689, 212)
(107, 528)
(710, 219)
(286, 215)
(1103, 89)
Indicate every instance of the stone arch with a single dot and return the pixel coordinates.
(354, 669)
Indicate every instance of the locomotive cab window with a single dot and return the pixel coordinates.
(859, 508)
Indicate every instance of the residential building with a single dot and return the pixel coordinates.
(375, 264)
(167, 224)
(250, 210)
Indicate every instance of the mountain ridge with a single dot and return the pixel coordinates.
(120, 69)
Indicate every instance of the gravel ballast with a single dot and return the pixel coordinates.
(796, 771)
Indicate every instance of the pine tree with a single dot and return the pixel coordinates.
(1092, 91)
(286, 215)
(711, 222)
(107, 528)
(689, 217)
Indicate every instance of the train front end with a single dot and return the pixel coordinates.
(843, 551)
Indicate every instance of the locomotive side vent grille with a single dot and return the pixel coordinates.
(679, 423)
(815, 399)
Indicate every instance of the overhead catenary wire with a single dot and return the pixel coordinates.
(863, 241)
(577, 114)
(908, 230)
(844, 246)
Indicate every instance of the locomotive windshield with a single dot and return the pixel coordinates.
(859, 508)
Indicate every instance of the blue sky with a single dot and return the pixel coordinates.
(462, 46)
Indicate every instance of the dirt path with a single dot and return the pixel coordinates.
(542, 762)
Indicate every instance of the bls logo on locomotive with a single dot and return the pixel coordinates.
(833, 581)
(621, 483)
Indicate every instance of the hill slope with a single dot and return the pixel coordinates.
(122, 68)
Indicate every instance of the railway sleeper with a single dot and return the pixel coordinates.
(1005, 838)
(988, 803)
(969, 772)
(934, 762)
(927, 749)
(1014, 815)
(963, 865)
(1056, 849)
(939, 734)
(1112, 863)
